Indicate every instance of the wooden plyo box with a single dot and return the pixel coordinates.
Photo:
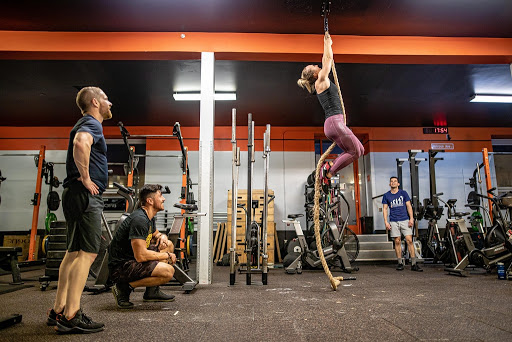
(257, 194)
(22, 241)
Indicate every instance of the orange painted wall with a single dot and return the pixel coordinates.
(375, 139)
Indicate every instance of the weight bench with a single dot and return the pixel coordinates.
(10, 254)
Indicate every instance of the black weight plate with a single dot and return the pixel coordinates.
(53, 200)
(55, 254)
(53, 263)
(58, 231)
(57, 246)
(58, 224)
(57, 238)
(51, 272)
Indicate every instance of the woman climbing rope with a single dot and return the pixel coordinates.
(316, 79)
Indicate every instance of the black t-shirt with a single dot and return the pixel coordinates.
(135, 226)
(330, 101)
(98, 168)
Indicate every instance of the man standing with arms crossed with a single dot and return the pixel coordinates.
(401, 220)
(86, 179)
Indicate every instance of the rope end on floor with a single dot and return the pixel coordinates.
(334, 284)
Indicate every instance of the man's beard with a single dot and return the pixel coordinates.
(107, 115)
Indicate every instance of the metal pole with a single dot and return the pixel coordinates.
(432, 171)
(250, 147)
(234, 195)
(399, 163)
(415, 185)
(266, 157)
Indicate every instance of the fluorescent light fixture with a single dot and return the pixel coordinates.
(195, 96)
(492, 98)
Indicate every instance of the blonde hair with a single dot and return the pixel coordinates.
(85, 96)
(307, 80)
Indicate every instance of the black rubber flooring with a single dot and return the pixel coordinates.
(381, 305)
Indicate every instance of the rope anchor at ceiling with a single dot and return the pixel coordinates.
(326, 9)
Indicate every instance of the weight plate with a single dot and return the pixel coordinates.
(57, 246)
(44, 244)
(57, 238)
(53, 200)
(53, 263)
(58, 231)
(189, 245)
(52, 272)
(56, 254)
(51, 217)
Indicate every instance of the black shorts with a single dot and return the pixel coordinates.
(83, 218)
(133, 270)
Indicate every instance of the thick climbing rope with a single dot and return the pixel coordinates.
(335, 281)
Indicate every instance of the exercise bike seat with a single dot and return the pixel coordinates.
(186, 207)
(124, 189)
(294, 216)
(451, 202)
(461, 214)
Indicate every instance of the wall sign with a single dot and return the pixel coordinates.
(442, 146)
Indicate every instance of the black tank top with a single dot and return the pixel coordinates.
(330, 101)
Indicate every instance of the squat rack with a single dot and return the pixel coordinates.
(187, 197)
(261, 238)
(36, 200)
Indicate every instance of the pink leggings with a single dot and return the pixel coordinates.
(335, 130)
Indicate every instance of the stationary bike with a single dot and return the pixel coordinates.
(497, 241)
(339, 244)
(445, 243)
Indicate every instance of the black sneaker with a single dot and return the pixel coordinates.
(400, 267)
(80, 324)
(52, 318)
(416, 268)
(121, 293)
(153, 294)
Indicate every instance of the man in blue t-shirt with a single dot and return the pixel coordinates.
(82, 204)
(401, 220)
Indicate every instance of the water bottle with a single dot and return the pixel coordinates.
(501, 270)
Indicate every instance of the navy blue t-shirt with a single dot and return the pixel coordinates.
(396, 203)
(98, 168)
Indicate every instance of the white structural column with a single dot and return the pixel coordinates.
(207, 123)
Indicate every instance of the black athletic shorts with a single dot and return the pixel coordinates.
(83, 218)
(133, 270)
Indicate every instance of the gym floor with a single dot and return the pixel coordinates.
(381, 305)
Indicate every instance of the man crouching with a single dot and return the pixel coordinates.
(139, 255)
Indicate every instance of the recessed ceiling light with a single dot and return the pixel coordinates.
(196, 96)
(492, 98)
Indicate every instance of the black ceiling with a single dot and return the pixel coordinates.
(41, 93)
(440, 18)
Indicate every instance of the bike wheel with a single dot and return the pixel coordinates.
(351, 244)
(348, 239)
